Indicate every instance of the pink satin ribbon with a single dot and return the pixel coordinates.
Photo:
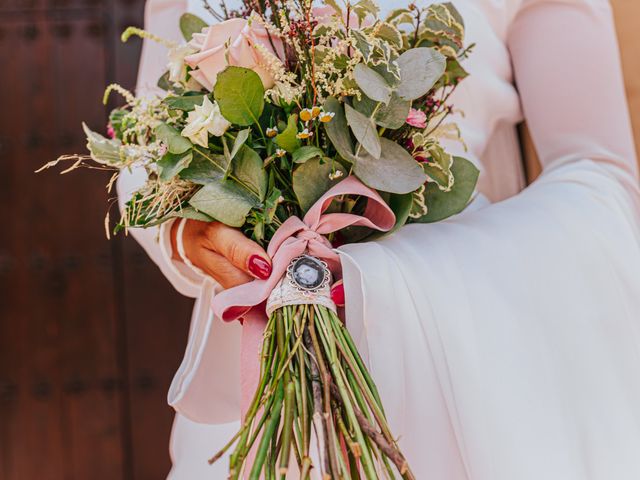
(294, 238)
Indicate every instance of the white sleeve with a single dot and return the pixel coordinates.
(161, 18)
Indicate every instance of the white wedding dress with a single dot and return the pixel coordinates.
(505, 341)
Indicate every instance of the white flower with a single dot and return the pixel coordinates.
(336, 174)
(177, 67)
(204, 120)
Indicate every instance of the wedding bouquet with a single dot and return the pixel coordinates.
(306, 127)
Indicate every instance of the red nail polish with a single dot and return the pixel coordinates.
(337, 294)
(235, 312)
(259, 267)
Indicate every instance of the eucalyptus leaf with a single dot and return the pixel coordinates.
(364, 129)
(190, 24)
(306, 153)
(287, 139)
(240, 95)
(202, 170)
(420, 69)
(396, 171)
(442, 204)
(372, 83)
(391, 116)
(172, 164)
(223, 201)
(103, 150)
(175, 142)
(311, 180)
(192, 214)
(186, 103)
(337, 129)
(248, 168)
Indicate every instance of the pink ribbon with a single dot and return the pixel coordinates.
(294, 238)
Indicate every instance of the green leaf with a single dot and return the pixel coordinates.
(271, 204)
(442, 204)
(163, 82)
(364, 8)
(391, 116)
(248, 168)
(190, 24)
(311, 180)
(420, 69)
(172, 164)
(401, 206)
(103, 150)
(337, 129)
(175, 142)
(372, 83)
(396, 171)
(439, 168)
(241, 139)
(364, 129)
(389, 33)
(306, 153)
(224, 202)
(202, 170)
(240, 95)
(186, 103)
(287, 139)
(192, 214)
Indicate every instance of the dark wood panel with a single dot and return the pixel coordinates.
(90, 331)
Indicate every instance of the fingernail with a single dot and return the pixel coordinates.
(337, 294)
(259, 267)
(235, 312)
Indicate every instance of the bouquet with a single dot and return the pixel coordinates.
(306, 127)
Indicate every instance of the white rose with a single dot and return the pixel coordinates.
(204, 120)
(177, 67)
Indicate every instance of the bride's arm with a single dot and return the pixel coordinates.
(161, 19)
(567, 69)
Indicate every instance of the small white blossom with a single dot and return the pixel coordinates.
(335, 174)
(204, 120)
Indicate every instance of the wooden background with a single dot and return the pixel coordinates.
(90, 332)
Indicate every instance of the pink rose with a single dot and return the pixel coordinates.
(417, 118)
(243, 38)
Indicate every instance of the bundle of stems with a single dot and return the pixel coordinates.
(314, 393)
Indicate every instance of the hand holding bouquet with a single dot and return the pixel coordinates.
(305, 127)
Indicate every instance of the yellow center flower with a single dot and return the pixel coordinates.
(272, 132)
(326, 117)
(306, 115)
(304, 134)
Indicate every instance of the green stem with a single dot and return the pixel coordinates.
(272, 426)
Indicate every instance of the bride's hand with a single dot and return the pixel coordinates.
(222, 252)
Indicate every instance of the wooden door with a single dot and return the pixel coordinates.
(90, 332)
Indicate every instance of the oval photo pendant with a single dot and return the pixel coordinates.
(308, 273)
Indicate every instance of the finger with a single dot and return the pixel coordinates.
(337, 293)
(242, 252)
(223, 271)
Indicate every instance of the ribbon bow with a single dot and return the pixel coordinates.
(294, 238)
